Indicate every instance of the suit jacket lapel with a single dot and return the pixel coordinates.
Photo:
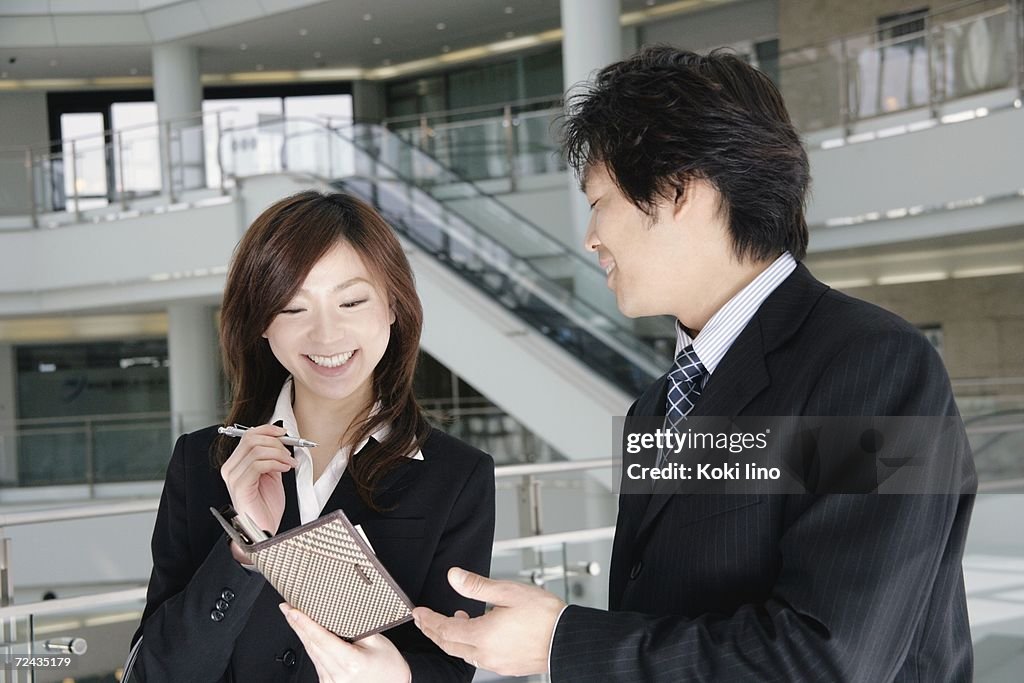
(346, 497)
(743, 373)
(740, 377)
(290, 518)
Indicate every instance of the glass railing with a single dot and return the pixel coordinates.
(89, 449)
(81, 453)
(919, 62)
(113, 169)
(993, 411)
(554, 530)
(507, 141)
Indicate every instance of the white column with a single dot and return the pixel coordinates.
(178, 91)
(8, 414)
(194, 372)
(592, 39)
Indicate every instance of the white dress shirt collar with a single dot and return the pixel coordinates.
(712, 342)
(313, 495)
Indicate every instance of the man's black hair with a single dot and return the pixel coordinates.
(665, 116)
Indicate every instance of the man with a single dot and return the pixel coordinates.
(697, 182)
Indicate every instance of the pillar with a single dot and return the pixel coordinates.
(178, 91)
(194, 372)
(592, 39)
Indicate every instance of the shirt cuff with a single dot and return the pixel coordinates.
(551, 645)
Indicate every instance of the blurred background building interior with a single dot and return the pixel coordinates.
(139, 138)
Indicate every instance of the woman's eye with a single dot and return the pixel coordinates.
(353, 304)
(292, 310)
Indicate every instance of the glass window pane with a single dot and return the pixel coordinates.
(137, 154)
(87, 172)
(254, 145)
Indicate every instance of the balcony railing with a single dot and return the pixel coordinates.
(542, 548)
(918, 65)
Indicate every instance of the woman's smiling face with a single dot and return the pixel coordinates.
(333, 332)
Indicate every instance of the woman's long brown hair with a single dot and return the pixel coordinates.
(269, 266)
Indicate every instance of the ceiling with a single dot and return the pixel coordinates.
(340, 34)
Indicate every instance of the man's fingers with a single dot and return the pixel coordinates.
(474, 586)
(454, 636)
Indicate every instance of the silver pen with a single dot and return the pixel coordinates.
(237, 431)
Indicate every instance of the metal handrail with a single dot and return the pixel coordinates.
(521, 103)
(77, 512)
(81, 602)
(111, 132)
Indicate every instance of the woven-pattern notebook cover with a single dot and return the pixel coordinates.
(326, 570)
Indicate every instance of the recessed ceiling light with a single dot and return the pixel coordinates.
(133, 71)
(3, 74)
(367, 17)
(303, 32)
(441, 26)
(386, 62)
(510, 10)
(243, 47)
(510, 34)
(650, 3)
(317, 54)
(446, 49)
(377, 40)
(259, 67)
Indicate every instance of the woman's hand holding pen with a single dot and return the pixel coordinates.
(253, 476)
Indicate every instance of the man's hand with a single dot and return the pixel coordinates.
(513, 639)
(372, 658)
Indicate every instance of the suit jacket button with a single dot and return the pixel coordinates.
(636, 569)
(217, 615)
(287, 658)
(222, 605)
(227, 595)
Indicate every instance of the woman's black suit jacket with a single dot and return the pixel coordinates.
(209, 619)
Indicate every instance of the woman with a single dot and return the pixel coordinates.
(320, 331)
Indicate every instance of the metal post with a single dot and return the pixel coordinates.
(30, 176)
(90, 465)
(510, 146)
(844, 90)
(6, 579)
(1017, 17)
(529, 517)
(119, 141)
(9, 627)
(284, 145)
(74, 181)
(220, 158)
(424, 133)
(329, 132)
(168, 165)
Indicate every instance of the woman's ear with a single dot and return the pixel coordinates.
(391, 315)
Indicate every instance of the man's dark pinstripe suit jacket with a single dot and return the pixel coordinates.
(839, 587)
